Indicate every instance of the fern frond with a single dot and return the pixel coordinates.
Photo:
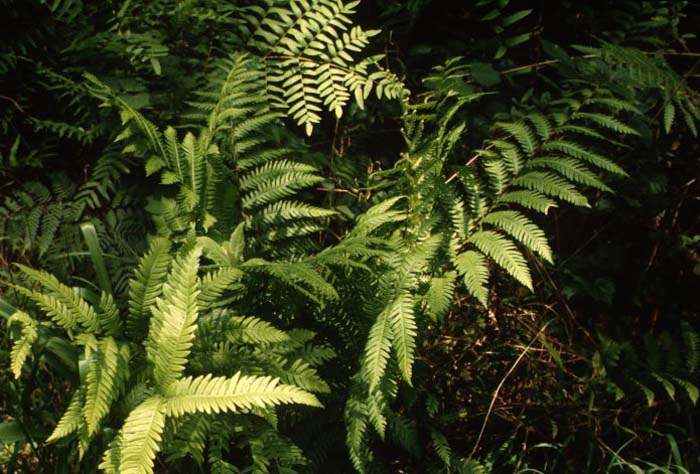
(215, 283)
(439, 296)
(174, 320)
(62, 304)
(295, 273)
(504, 253)
(521, 229)
(22, 346)
(522, 134)
(239, 393)
(108, 315)
(529, 199)
(377, 350)
(606, 121)
(551, 185)
(577, 151)
(571, 169)
(147, 284)
(251, 330)
(101, 381)
(475, 269)
(403, 332)
(140, 437)
(71, 419)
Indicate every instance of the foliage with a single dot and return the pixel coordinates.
(483, 263)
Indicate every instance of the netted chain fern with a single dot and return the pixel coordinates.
(153, 378)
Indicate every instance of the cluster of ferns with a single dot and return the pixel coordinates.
(194, 346)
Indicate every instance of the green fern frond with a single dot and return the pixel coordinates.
(147, 284)
(101, 381)
(403, 332)
(251, 330)
(528, 199)
(571, 169)
(378, 348)
(504, 253)
(174, 320)
(439, 296)
(108, 315)
(71, 419)
(295, 274)
(62, 304)
(239, 393)
(542, 125)
(605, 121)
(441, 447)
(522, 134)
(577, 151)
(302, 375)
(22, 346)
(551, 185)
(521, 229)
(475, 269)
(140, 437)
(214, 284)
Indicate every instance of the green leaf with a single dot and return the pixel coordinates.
(484, 74)
(93, 243)
(11, 432)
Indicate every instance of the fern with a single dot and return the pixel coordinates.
(174, 321)
(306, 50)
(71, 419)
(504, 253)
(216, 394)
(21, 349)
(140, 437)
(101, 380)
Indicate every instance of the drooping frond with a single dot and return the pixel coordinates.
(62, 304)
(440, 293)
(378, 348)
(473, 266)
(71, 419)
(521, 229)
(215, 283)
(504, 253)
(298, 275)
(252, 330)
(22, 346)
(404, 331)
(108, 315)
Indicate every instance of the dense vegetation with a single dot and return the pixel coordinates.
(330, 236)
